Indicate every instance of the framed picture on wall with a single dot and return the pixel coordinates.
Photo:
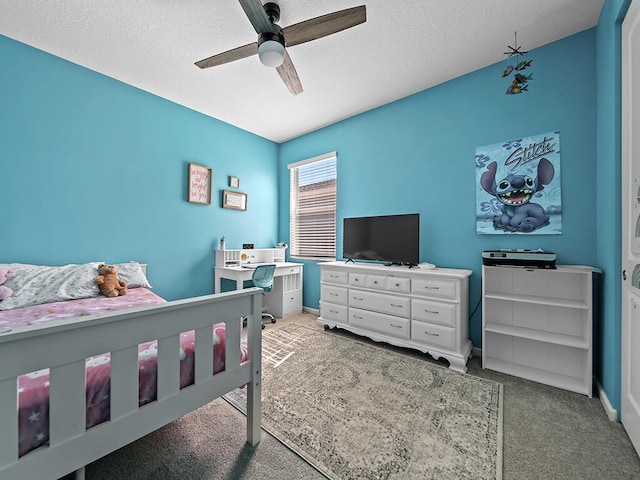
(234, 182)
(234, 200)
(200, 183)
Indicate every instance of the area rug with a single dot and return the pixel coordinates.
(359, 411)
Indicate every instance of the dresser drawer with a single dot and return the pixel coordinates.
(437, 287)
(402, 285)
(379, 322)
(432, 334)
(331, 311)
(357, 279)
(435, 312)
(380, 302)
(331, 294)
(334, 276)
(376, 281)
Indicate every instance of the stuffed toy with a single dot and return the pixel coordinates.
(5, 274)
(109, 283)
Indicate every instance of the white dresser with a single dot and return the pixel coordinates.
(421, 309)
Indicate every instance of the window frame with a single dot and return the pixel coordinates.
(309, 251)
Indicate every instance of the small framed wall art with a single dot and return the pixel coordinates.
(234, 200)
(234, 182)
(200, 184)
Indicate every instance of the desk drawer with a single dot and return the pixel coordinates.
(331, 294)
(292, 302)
(287, 270)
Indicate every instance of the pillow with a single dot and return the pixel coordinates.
(132, 274)
(36, 284)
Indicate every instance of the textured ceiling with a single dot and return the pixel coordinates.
(404, 47)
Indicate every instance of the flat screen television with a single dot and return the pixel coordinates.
(394, 239)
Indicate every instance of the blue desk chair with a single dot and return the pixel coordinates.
(263, 278)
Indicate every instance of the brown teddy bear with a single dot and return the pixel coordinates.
(109, 283)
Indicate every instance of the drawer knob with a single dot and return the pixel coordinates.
(431, 288)
(356, 316)
(431, 311)
(395, 326)
(432, 334)
(359, 299)
(397, 306)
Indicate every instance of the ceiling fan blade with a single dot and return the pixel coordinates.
(229, 56)
(257, 16)
(289, 75)
(324, 25)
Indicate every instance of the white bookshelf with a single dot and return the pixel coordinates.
(538, 324)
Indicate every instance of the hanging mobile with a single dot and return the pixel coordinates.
(519, 83)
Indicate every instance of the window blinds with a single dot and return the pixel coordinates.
(313, 207)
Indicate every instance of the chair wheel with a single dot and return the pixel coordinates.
(273, 320)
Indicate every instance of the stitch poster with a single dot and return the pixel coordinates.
(518, 186)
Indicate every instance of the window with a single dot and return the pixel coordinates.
(312, 210)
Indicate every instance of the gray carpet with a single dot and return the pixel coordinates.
(548, 433)
(358, 411)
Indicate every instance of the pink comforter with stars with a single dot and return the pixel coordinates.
(33, 388)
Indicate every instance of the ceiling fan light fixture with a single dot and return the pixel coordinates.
(271, 49)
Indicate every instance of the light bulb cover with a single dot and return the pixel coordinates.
(271, 49)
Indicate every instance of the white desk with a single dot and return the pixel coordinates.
(285, 296)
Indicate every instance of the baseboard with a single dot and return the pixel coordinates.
(310, 310)
(611, 412)
(476, 352)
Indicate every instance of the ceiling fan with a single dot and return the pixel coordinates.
(272, 39)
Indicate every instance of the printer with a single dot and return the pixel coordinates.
(519, 257)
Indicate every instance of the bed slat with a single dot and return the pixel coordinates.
(124, 381)
(232, 352)
(203, 356)
(168, 366)
(8, 421)
(67, 402)
(254, 387)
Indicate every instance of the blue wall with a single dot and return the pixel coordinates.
(94, 169)
(608, 192)
(418, 155)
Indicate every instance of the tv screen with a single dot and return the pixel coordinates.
(387, 238)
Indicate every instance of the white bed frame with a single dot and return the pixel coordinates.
(63, 347)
